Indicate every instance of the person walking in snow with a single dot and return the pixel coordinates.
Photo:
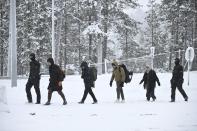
(150, 78)
(119, 75)
(55, 81)
(34, 79)
(177, 81)
(88, 82)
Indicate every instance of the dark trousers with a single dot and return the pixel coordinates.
(180, 88)
(87, 90)
(29, 85)
(59, 92)
(119, 91)
(150, 93)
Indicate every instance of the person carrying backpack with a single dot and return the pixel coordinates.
(119, 75)
(55, 81)
(88, 78)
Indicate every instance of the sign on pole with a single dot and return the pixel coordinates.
(189, 56)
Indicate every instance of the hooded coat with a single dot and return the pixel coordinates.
(55, 76)
(150, 78)
(177, 74)
(86, 76)
(34, 74)
(118, 73)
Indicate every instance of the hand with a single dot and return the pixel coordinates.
(60, 83)
(140, 82)
(158, 83)
(110, 83)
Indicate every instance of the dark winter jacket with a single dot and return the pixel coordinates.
(177, 74)
(34, 70)
(88, 81)
(150, 79)
(56, 76)
(144, 79)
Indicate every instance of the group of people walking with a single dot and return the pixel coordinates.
(119, 75)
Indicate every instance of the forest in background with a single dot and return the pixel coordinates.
(82, 25)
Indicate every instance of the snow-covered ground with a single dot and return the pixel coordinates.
(136, 114)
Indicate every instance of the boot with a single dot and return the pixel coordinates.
(186, 98)
(81, 102)
(47, 103)
(95, 102)
(65, 103)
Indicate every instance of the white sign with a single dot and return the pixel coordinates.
(189, 54)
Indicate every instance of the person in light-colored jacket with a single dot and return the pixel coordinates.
(119, 75)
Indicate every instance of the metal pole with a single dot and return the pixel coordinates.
(13, 43)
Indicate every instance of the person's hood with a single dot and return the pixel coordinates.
(115, 63)
(177, 61)
(32, 56)
(84, 65)
(50, 60)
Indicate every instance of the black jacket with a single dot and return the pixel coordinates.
(144, 79)
(177, 74)
(34, 70)
(86, 76)
(150, 79)
(55, 77)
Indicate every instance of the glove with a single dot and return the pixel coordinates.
(158, 83)
(121, 84)
(110, 83)
(140, 82)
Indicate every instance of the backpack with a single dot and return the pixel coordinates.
(127, 73)
(93, 73)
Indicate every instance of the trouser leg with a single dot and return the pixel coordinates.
(118, 90)
(173, 90)
(122, 93)
(49, 96)
(180, 88)
(148, 91)
(152, 93)
(84, 95)
(28, 91)
(37, 90)
(62, 95)
(92, 95)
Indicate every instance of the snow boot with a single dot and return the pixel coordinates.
(47, 103)
(81, 102)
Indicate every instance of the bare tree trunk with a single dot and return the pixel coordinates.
(126, 42)
(79, 38)
(2, 42)
(194, 2)
(90, 35)
(65, 38)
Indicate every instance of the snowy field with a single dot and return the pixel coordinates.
(136, 114)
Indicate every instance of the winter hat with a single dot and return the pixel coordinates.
(32, 56)
(177, 61)
(50, 60)
(84, 64)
